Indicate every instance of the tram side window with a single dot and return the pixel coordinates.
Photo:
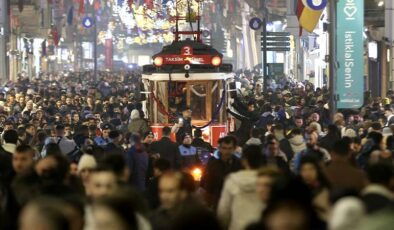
(198, 101)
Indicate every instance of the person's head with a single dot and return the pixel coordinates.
(376, 137)
(106, 131)
(102, 182)
(197, 133)
(289, 206)
(265, 178)
(172, 189)
(117, 163)
(272, 144)
(311, 172)
(187, 139)
(45, 213)
(252, 157)
(299, 122)
(30, 129)
(312, 138)
(149, 137)
(380, 173)
(115, 136)
(75, 117)
(10, 137)
(161, 166)
(187, 113)
(255, 133)
(54, 167)
(227, 146)
(166, 131)
(21, 133)
(315, 117)
(86, 164)
(341, 150)
(116, 211)
(60, 130)
(23, 158)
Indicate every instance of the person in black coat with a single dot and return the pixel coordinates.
(167, 149)
(219, 166)
(248, 117)
(333, 135)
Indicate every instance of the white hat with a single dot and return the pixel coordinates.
(346, 214)
(350, 133)
(86, 161)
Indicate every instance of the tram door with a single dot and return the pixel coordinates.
(199, 100)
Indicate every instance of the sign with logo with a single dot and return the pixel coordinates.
(87, 22)
(350, 48)
(316, 4)
(255, 23)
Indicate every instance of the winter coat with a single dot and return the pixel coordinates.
(215, 174)
(239, 205)
(137, 161)
(139, 126)
(167, 150)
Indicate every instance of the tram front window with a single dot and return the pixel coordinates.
(198, 94)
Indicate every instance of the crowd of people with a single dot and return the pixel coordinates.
(79, 155)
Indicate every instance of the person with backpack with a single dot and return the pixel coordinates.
(68, 147)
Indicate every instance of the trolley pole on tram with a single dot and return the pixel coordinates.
(333, 58)
(94, 46)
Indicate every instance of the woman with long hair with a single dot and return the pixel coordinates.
(312, 175)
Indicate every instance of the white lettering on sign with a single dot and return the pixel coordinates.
(174, 59)
(350, 10)
(349, 60)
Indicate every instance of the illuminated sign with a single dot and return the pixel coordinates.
(182, 60)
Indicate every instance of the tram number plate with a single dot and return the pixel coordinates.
(182, 59)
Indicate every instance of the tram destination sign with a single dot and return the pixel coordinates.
(174, 59)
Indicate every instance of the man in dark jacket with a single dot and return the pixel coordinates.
(204, 149)
(167, 149)
(248, 117)
(218, 168)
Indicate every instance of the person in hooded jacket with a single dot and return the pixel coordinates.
(137, 124)
(239, 204)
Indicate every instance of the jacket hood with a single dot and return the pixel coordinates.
(297, 143)
(134, 114)
(244, 180)
(254, 141)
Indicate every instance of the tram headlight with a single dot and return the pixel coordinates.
(158, 61)
(216, 61)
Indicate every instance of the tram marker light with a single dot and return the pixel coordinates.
(187, 67)
(158, 61)
(216, 61)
